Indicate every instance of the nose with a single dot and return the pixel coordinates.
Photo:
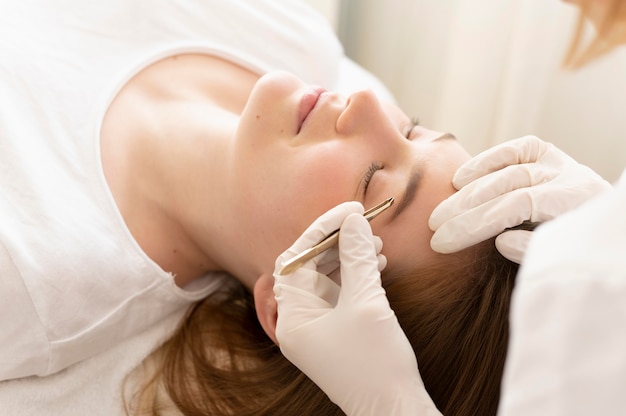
(365, 115)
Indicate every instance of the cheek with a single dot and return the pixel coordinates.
(327, 171)
(302, 186)
(259, 133)
(315, 185)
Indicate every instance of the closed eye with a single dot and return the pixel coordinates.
(367, 178)
(411, 127)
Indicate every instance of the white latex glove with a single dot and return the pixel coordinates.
(525, 179)
(347, 339)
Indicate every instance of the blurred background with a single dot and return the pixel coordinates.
(489, 71)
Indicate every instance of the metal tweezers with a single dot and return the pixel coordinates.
(296, 262)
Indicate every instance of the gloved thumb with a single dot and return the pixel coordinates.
(320, 229)
(360, 263)
(512, 244)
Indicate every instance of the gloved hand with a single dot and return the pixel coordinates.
(525, 179)
(346, 338)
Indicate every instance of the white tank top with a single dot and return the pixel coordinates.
(73, 281)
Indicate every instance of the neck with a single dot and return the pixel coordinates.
(182, 181)
(165, 140)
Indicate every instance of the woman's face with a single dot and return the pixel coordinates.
(299, 151)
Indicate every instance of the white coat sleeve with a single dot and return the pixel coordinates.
(567, 351)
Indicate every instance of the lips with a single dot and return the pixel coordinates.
(307, 104)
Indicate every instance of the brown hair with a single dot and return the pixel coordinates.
(455, 314)
(610, 27)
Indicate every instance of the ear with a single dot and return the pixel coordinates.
(265, 305)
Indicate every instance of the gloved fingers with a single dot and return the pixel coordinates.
(328, 261)
(489, 187)
(378, 243)
(308, 280)
(527, 149)
(320, 228)
(296, 309)
(536, 204)
(512, 244)
(382, 262)
(360, 275)
(484, 222)
(335, 275)
(331, 268)
(292, 301)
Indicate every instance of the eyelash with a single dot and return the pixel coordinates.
(369, 174)
(374, 167)
(414, 123)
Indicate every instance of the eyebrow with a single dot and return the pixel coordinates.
(445, 136)
(414, 180)
(409, 192)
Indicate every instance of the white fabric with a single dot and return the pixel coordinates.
(100, 385)
(71, 272)
(74, 283)
(567, 353)
(91, 387)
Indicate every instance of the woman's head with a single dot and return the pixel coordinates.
(609, 20)
(291, 161)
(298, 151)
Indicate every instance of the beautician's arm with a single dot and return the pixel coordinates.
(347, 339)
(525, 179)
